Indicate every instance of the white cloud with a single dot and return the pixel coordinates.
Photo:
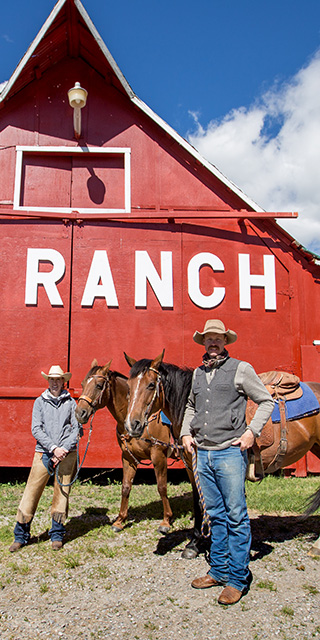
(7, 38)
(271, 150)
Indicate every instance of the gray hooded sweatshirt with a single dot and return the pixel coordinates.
(53, 422)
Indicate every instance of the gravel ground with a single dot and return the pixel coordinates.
(138, 587)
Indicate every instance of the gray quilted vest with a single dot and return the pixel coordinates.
(220, 408)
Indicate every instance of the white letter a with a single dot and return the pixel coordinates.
(100, 272)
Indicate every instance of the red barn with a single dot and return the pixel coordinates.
(116, 235)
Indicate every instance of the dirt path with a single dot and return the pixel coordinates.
(137, 586)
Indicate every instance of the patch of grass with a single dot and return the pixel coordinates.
(71, 561)
(266, 584)
(287, 611)
(275, 494)
(108, 551)
(310, 589)
(44, 587)
(24, 569)
(6, 534)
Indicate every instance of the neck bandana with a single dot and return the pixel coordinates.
(216, 361)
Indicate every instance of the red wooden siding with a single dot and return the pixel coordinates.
(170, 208)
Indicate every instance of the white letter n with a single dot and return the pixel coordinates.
(162, 286)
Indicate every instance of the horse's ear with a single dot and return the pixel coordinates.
(130, 361)
(106, 368)
(155, 364)
(94, 363)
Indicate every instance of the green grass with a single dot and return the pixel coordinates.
(311, 589)
(276, 494)
(267, 584)
(71, 561)
(94, 507)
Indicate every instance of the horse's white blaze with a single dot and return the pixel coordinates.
(89, 380)
(128, 420)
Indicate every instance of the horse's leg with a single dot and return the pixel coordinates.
(159, 461)
(192, 549)
(129, 472)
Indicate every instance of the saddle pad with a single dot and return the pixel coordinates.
(164, 418)
(305, 406)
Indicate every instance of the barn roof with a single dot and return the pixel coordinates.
(69, 32)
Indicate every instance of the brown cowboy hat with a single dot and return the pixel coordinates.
(56, 372)
(214, 326)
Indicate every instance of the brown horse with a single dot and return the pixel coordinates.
(104, 388)
(303, 435)
(154, 385)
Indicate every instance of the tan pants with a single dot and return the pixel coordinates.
(37, 480)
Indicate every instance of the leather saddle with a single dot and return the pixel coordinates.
(282, 386)
(281, 383)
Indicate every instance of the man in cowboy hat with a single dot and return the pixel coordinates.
(215, 424)
(55, 429)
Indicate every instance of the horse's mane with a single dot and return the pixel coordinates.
(176, 385)
(114, 374)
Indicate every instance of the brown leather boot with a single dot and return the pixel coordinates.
(230, 595)
(16, 546)
(204, 582)
(56, 545)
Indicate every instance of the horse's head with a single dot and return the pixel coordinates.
(145, 395)
(95, 392)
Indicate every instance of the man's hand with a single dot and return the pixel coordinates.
(246, 441)
(188, 443)
(59, 453)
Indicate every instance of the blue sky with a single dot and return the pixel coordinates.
(238, 78)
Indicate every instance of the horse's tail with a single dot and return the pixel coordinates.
(313, 504)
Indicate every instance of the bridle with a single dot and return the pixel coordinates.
(147, 419)
(94, 403)
(156, 394)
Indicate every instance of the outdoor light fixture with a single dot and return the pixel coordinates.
(77, 100)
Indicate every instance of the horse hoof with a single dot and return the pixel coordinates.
(163, 529)
(116, 529)
(189, 554)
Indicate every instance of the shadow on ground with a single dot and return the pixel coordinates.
(268, 529)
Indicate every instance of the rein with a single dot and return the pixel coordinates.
(93, 405)
(150, 440)
(206, 525)
(79, 465)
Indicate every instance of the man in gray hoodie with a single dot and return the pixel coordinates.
(215, 424)
(56, 431)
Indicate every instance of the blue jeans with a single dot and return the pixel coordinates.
(57, 530)
(22, 531)
(222, 479)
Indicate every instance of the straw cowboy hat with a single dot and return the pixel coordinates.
(214, 326)
(56, 372)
